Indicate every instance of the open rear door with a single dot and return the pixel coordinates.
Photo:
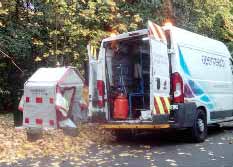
(97, 88)
(93, 67)
(159, 74)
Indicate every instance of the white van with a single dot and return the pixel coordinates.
(166, 76)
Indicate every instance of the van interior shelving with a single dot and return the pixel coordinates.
(128, 74)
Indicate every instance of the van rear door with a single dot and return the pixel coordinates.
(159, 73)
(97, 96)
(93, 66)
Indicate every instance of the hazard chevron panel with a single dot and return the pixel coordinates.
(156, 32)
(161, 105)
(93, 51)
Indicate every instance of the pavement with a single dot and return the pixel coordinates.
(157, 149)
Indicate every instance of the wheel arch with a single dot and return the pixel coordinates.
(203, 109)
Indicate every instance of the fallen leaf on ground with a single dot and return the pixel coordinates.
(54, 143)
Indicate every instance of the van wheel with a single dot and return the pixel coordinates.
(199, 129)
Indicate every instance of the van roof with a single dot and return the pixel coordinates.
(183, 38)
(189, 39)
(127, 35)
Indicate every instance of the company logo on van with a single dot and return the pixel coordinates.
(193, 89)
(211, 61)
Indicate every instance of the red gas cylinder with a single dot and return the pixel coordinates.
(121, 109)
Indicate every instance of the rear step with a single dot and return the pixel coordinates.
(134, 126)
(129, 121)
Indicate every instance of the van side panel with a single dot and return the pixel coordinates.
(206, 72)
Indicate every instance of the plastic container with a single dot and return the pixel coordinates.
(121, 107)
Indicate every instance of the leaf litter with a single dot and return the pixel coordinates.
(15, 146)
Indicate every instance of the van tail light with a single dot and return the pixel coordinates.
(100, 89)
(177, 88)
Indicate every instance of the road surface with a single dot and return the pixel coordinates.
(160, 149)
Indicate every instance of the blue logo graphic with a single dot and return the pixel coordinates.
(192, 88)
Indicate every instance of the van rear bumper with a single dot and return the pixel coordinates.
(183, 115)
(180, 117)
(112, 126)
